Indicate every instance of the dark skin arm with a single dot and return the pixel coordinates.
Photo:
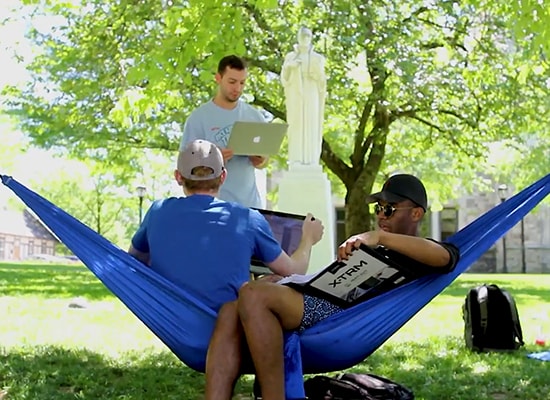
(419, 249)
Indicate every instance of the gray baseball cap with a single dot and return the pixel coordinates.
(200, 153)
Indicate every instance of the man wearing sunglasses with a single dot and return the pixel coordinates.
(399, 208)
(267, 309)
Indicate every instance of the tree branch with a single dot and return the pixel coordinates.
(449, 41)
(358, 148)
(263, 65)
(336, 165)
(416, 13)
(467, 121)
(441, 130)
(428, 123)
(378, 75)
(266, 105)
(413, 113)
(264, 26)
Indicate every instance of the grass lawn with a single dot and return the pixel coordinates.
(51, 351)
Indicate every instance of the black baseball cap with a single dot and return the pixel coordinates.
(402, 187)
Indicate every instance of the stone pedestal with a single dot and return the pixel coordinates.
(303, 189)
(261, 184)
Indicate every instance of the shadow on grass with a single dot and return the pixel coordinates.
(56, 373)
(447, 370)
(441, 370)
(50, 280)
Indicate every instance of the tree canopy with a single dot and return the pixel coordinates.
(421, 87)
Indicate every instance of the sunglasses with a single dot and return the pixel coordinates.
(388, 209)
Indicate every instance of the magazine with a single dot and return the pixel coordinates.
(365, 274)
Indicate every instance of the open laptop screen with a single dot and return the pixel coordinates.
(256, 138)
(287, 229)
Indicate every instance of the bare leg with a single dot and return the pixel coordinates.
(266, 309)
(223, 360)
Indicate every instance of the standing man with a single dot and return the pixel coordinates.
(214, 120)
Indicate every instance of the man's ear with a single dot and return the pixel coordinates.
(178, 177)
(223, 176)
(417, 213)
(218, 77)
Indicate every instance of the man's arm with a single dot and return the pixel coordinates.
(139, 255)
(298, 262)
(422, 250)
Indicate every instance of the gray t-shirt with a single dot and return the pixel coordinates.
(213, 123)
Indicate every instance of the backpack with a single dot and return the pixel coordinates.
(491, 320)
(355, 387)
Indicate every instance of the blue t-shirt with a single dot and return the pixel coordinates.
(213, 123)
(204, 245)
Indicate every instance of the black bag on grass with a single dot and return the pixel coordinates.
(491, 320)
(355, 387)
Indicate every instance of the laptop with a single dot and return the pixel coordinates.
(256, 138)
(286, 228)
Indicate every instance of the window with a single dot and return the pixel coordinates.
(449, 222)
(340, 226)
(2, 244)
(24, 251)
(340, 234)
(31, 247)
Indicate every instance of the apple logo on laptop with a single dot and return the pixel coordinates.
(257, 139)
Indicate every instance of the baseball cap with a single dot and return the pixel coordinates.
(200, 153)
(402, 187)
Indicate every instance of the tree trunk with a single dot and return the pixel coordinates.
(357, 211)
(358, 216)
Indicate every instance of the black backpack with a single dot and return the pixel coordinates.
(491, 320)
(355, 387)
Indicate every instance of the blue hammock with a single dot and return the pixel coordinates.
(185, 325)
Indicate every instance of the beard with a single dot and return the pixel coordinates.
(232, 99)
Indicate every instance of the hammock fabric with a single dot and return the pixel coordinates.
(185, 325)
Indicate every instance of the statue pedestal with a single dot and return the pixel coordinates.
(261, 184)
(303, 189)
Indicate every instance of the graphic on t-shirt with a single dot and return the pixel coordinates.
(222, 136)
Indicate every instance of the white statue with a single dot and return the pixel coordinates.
(304, 81)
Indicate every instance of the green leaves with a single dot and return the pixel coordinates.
(411, 87)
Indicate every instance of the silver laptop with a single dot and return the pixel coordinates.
(256, 138)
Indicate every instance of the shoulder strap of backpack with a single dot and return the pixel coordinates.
(515, 316)
(482, 297)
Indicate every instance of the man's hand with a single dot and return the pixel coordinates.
(312, 229)
(273, 278)
(370, 239)
(258, 161)
(227, 154)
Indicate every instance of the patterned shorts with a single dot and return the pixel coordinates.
(316, 310)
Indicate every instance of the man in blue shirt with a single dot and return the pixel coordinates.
(204, 244)
(214, 120)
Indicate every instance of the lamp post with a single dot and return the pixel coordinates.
(141, 190)
(522, 233)
(502, 194)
